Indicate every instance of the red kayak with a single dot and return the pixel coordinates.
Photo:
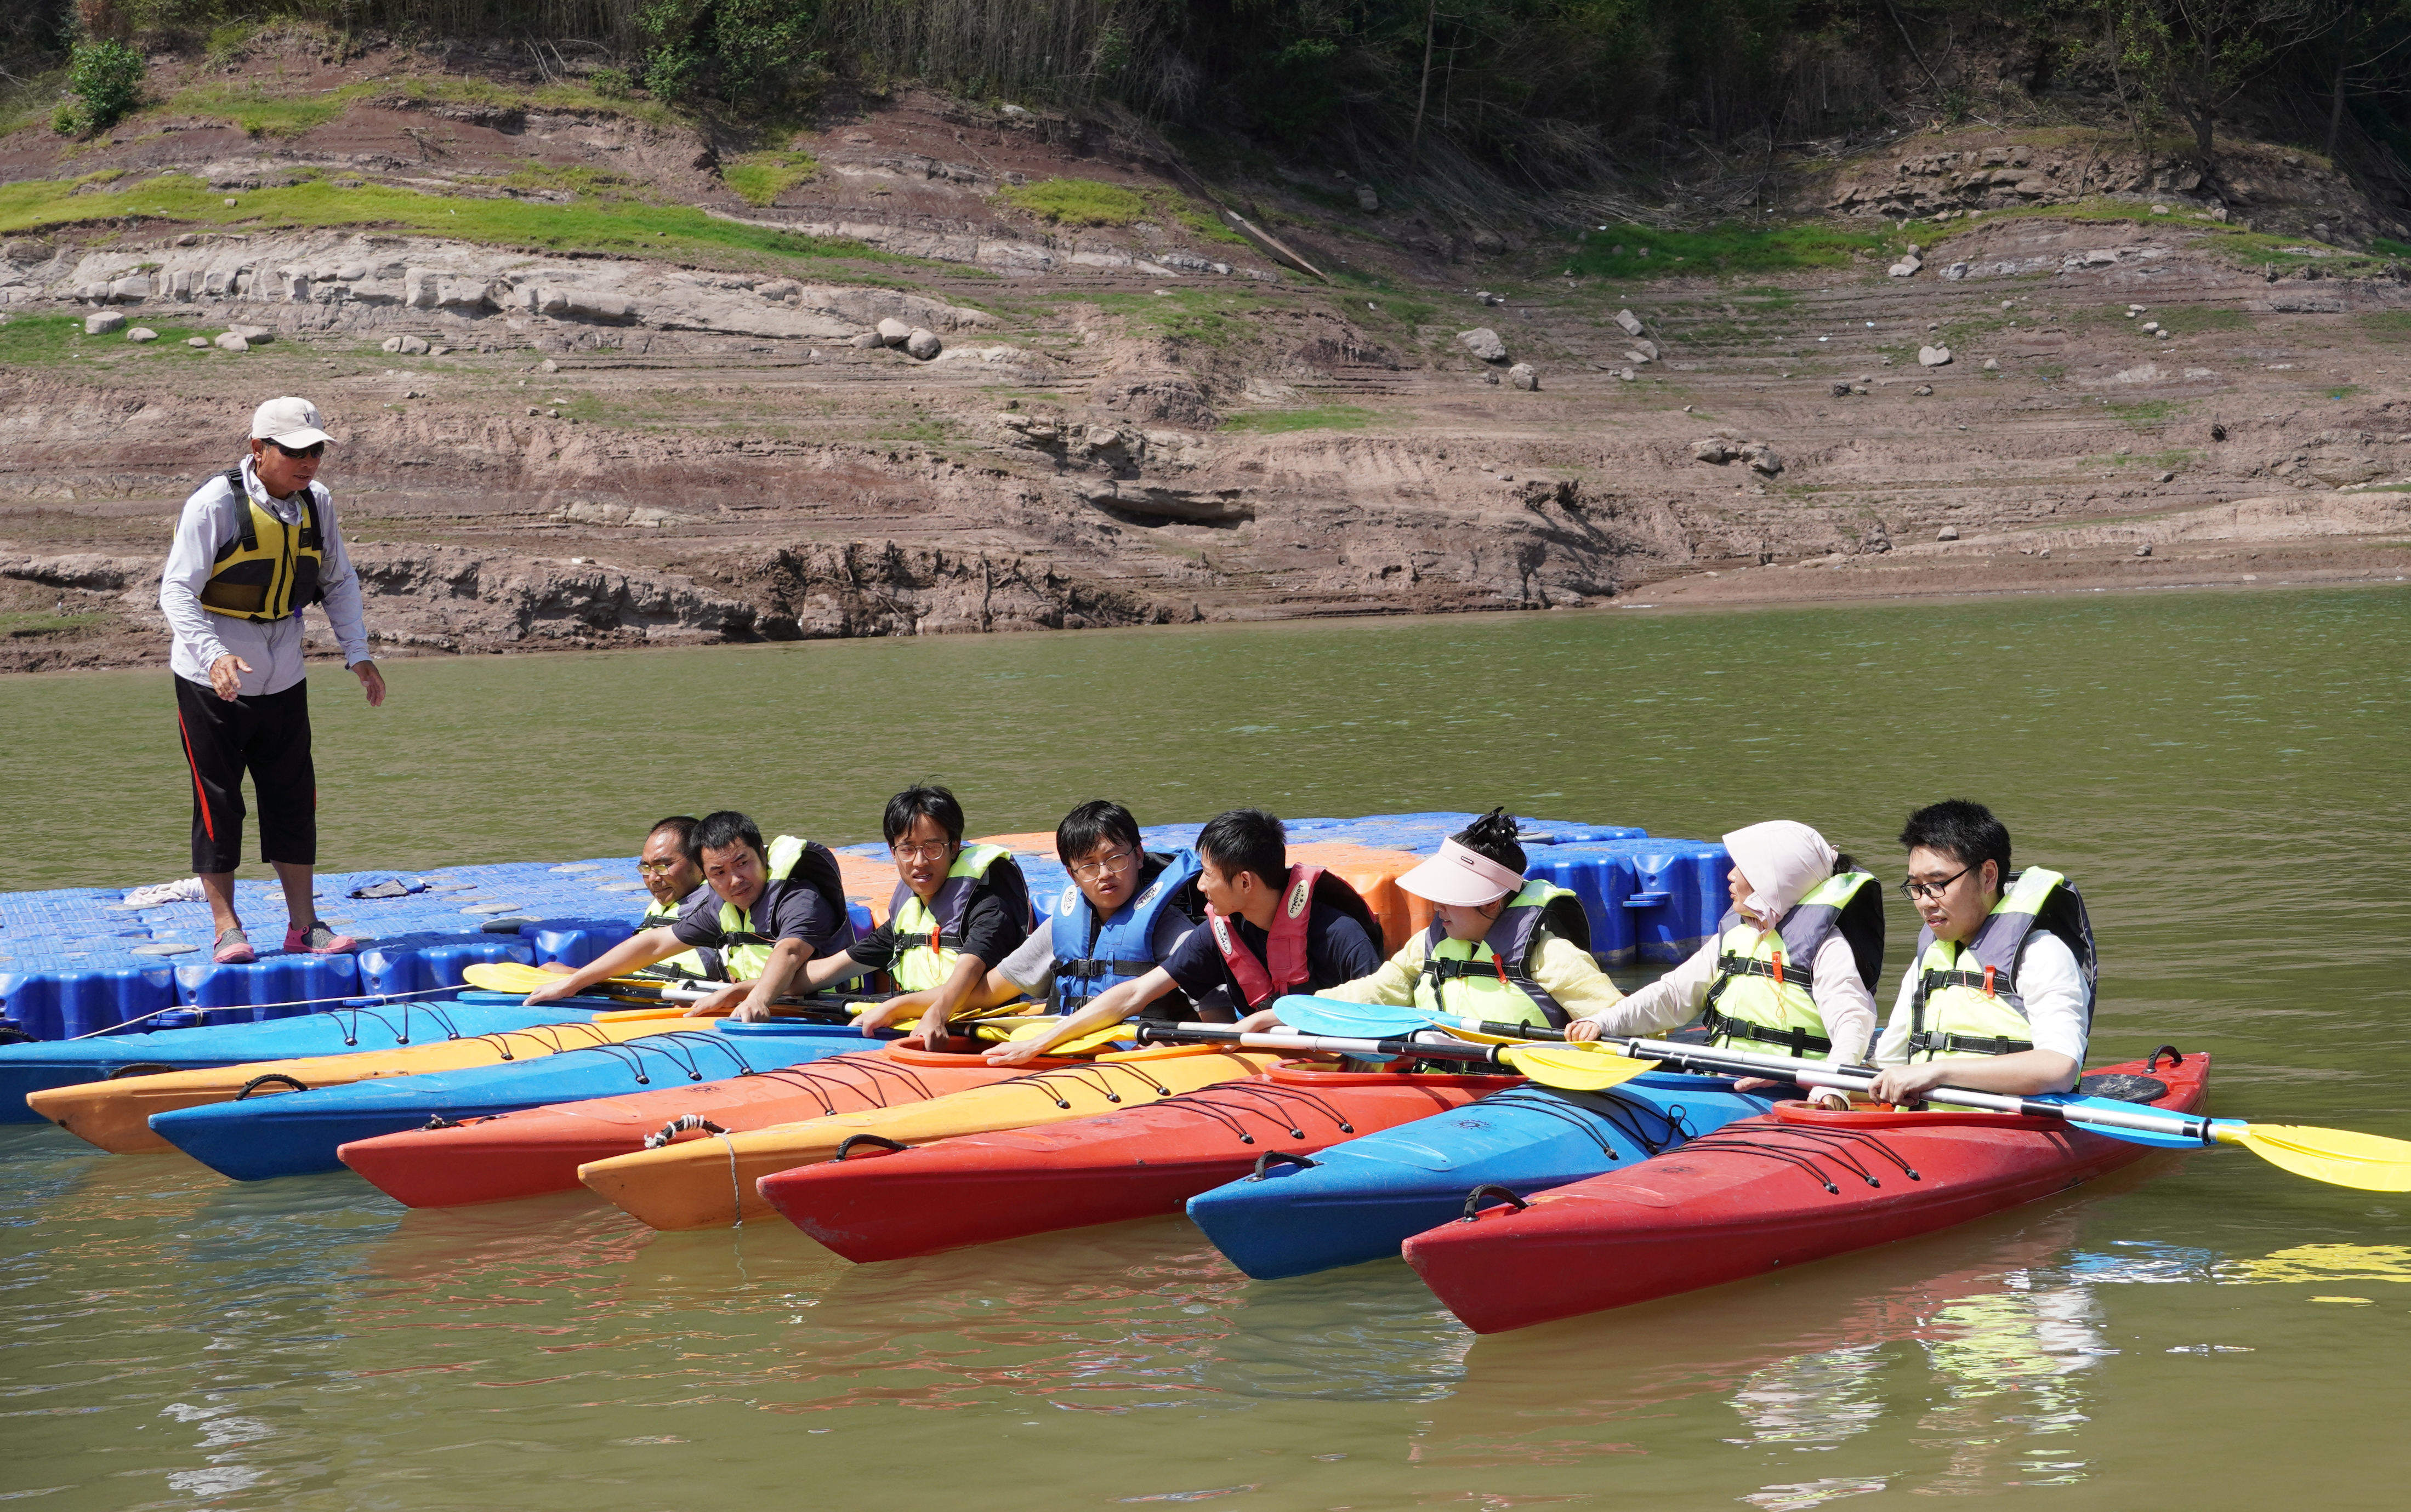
(977, 1189)
(1792, 1186)
(539, 1149)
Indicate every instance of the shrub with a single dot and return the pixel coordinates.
(105, 79)
(612, 83)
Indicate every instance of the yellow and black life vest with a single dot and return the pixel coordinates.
(1966, 1001)
(1491, 979)
(746, 950)
(936, 928)
(1766, 985)
(271, 569)
(701, 964)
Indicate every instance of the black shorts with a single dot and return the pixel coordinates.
(269, 736)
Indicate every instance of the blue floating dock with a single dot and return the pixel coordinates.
(81, 961)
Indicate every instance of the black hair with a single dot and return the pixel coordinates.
(721, 829)
(681, 826)
(1091, 825)
(1493, 838)
(1966, 832)
(1246, 839)
(923, 800)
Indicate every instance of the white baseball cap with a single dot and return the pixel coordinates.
(288, 422)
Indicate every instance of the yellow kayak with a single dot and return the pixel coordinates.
(708, 1180)
(116, 1115)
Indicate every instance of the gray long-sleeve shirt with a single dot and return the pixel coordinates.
(213, 516)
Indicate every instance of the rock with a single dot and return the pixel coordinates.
(141, 333)
(866, 341)
(409, 346)
(1715, 450)
(923, 344)
(1762, 459)
(102, 324)
(1991, 364)
(2142, 551)
(1906, 266)
(1488, 242)
(1630, 322)
(1629, 375)
(1366, 200)
(137, 287)
(197, 341)
(1947, 533)
(1841, 390)
(548, 365)
(1492, 377)
(1523, 377)
(255, 335)
(1924, 390)
(1483, 343)
(894, 332)
(1933, 356)
(229, 341)
(1643, 350)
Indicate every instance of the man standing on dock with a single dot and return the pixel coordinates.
(255, 547)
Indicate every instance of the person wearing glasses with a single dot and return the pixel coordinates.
(674, 878)
(957, 911)
(2000, 996)
(255, 547)
(1793, 964)
(1126, 910)
(768, 910)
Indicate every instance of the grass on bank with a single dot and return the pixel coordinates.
(40, 340)
(1088, 202)
(593, 223)
(1280, 422)
(263, 111)
(760, 178)
(1641, 251)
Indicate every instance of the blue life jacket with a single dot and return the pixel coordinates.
(1125, 947)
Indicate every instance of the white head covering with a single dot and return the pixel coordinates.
(1782, 861)
(1461, 878)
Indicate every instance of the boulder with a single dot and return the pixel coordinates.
(1906, 266)
(1947, 533)
(141, 333)
(1715, 450)
(229, 341)
(197, 341)
(1630, 322)
(1523, 377)
(1366, 200)
(923, 344)
(421, 289)
(1483, 343)
(1762, 459)
(137, 287)
(894, 332)
(103, 322)
(407, 345)
(1991, 364)
(1924, 390)
(255, 335)
(868, 339)
(1933, 356)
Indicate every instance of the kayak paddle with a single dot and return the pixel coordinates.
(1607, 1071)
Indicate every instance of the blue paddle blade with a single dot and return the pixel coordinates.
(2179, 1137)
(1358, 1021)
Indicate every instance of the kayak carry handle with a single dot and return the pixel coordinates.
(845, 1146)
(2176, 1057)
(1279, 1158)
(1473, 1199)
(140, 1067)
(678, 1125)
(259, 1081)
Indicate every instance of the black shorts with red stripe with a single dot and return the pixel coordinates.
(269, 736)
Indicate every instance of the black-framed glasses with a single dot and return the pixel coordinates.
(1114, 863)
(924, 851)
(316, 449)
(1914, 889)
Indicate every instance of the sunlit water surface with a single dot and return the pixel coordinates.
(2226, 774)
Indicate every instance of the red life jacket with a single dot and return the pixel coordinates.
(1285, 944)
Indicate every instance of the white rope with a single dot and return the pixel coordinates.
(221, 1008)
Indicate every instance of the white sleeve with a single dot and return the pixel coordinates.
(1032, 965)
(191, 557)
(1892, 1050)
(339, 586)
(1843, 1000)
(1666, 1003)
(2053, 989)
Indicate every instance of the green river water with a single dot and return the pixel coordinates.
(2225, 773)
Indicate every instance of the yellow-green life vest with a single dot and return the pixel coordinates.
(1967, 1002)
(271, 569)
(1765, 989)
(746, 952)
(697, 965)
(936, 928)
(1491, 978)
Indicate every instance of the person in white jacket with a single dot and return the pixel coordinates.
(254, 545)
(1793, 965)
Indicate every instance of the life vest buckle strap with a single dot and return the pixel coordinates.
(1798, 1042)
(1729, 965)
(1966, 1045)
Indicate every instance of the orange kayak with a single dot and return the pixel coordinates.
(703, 1182)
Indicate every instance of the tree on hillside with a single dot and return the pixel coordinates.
(2194, 58)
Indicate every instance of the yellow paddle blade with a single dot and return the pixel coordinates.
(1081, 1045)
(1476, 1037)
(629, 1015)
(1574, 1068)
(512, 977)
(2339, 1156)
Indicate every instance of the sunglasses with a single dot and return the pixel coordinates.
(314, 450)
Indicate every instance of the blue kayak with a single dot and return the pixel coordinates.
(1362, 1199)
(288, 1134)
(58, 1063)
